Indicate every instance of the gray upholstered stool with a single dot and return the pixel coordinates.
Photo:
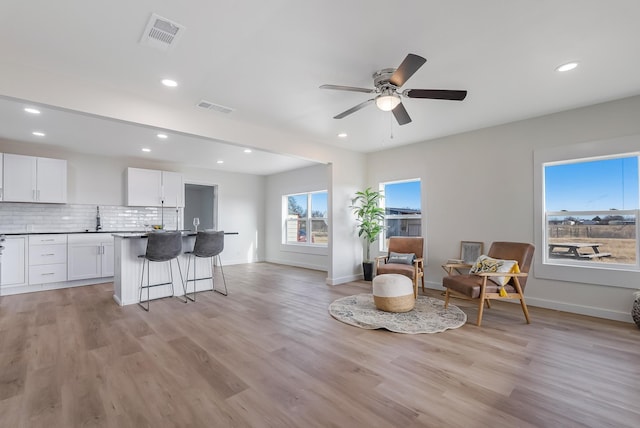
(161, 247)
(209, 244)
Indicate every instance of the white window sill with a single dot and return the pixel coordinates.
(305, 249)
(600, 274)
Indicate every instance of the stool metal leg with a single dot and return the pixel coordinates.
(212, 277)
(181, 281)
(224, 281)
(149, 285)
(144, 261)
(191, 256)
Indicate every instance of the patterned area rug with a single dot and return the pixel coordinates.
(428, 316)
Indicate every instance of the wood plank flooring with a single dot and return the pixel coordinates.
(270, 355)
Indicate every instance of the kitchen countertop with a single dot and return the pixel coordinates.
(71, 232)
(127, 235)
(121, 233)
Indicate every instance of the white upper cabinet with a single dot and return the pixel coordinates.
(51, 180)
(144, 187)
(33, 179)
(149, 188)
(172, 189)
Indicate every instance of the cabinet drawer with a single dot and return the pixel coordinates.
(47, 239)
(47, 254)
(45, 274)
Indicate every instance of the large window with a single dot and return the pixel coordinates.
(306, 219)
(591, 211)
(402, 209)
(587, 207)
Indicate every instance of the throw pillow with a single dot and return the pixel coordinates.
(401, 258)
(488, 264)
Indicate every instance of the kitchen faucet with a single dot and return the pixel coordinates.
(98, 225)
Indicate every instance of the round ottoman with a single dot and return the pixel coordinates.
(393, 293)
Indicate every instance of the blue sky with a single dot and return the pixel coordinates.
(594, 185)
(402, 195)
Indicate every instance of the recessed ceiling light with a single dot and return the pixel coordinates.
(38, 133)
(32, 110)
(146, 150)
(170, 83)
(342, 135)
(220, 161)
(247, 150)
(567, 67)
(163, 136)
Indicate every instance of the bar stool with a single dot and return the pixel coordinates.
(209, 244)
(161, 247)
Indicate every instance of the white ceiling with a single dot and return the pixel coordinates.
(267, 59)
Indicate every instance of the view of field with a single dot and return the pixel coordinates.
(619, 240)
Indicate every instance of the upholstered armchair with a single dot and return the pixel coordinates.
(485, 284)
(405, 258)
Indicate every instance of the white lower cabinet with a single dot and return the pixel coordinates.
(47, 258)
(14, 262)
(90, 256)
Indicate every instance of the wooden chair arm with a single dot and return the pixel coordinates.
(520, 274)
(456, 266)
(451, 267)
(380, 258)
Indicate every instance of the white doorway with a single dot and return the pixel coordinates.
(201, 201)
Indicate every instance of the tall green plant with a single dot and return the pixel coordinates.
(369, 215)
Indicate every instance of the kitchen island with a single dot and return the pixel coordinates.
(128, 269)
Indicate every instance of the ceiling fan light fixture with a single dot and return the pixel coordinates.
(387, 101)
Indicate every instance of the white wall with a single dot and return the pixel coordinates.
(478, 186)
(101, 181)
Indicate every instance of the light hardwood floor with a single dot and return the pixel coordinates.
(270, 355)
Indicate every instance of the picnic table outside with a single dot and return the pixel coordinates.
(572, 250)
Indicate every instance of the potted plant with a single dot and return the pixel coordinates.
(370, 218)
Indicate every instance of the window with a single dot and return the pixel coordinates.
(591, 211)
(402, 209)
(306, 220)
(587, 206)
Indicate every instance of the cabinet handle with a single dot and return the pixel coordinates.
(50, 254)
(38, 194)
(48, 273)
(47, 240)
(33, 194)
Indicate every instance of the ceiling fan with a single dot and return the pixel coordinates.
(387, 83)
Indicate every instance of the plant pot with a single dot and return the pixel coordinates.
(367, 269)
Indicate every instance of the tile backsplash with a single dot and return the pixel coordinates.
(28, 217)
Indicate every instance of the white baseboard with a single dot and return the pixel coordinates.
(562, 306)
(344, 279)
(9, 291)
(297, 264)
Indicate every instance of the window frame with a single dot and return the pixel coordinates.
(381, 186)
(308, 220)
(606, 274)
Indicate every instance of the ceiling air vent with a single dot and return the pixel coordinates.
(211, 106)
(161, 33)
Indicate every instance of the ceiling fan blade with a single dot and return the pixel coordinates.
(348, 88)
(410, 65)
(436, 94)
(401, 115)
(353, 109)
